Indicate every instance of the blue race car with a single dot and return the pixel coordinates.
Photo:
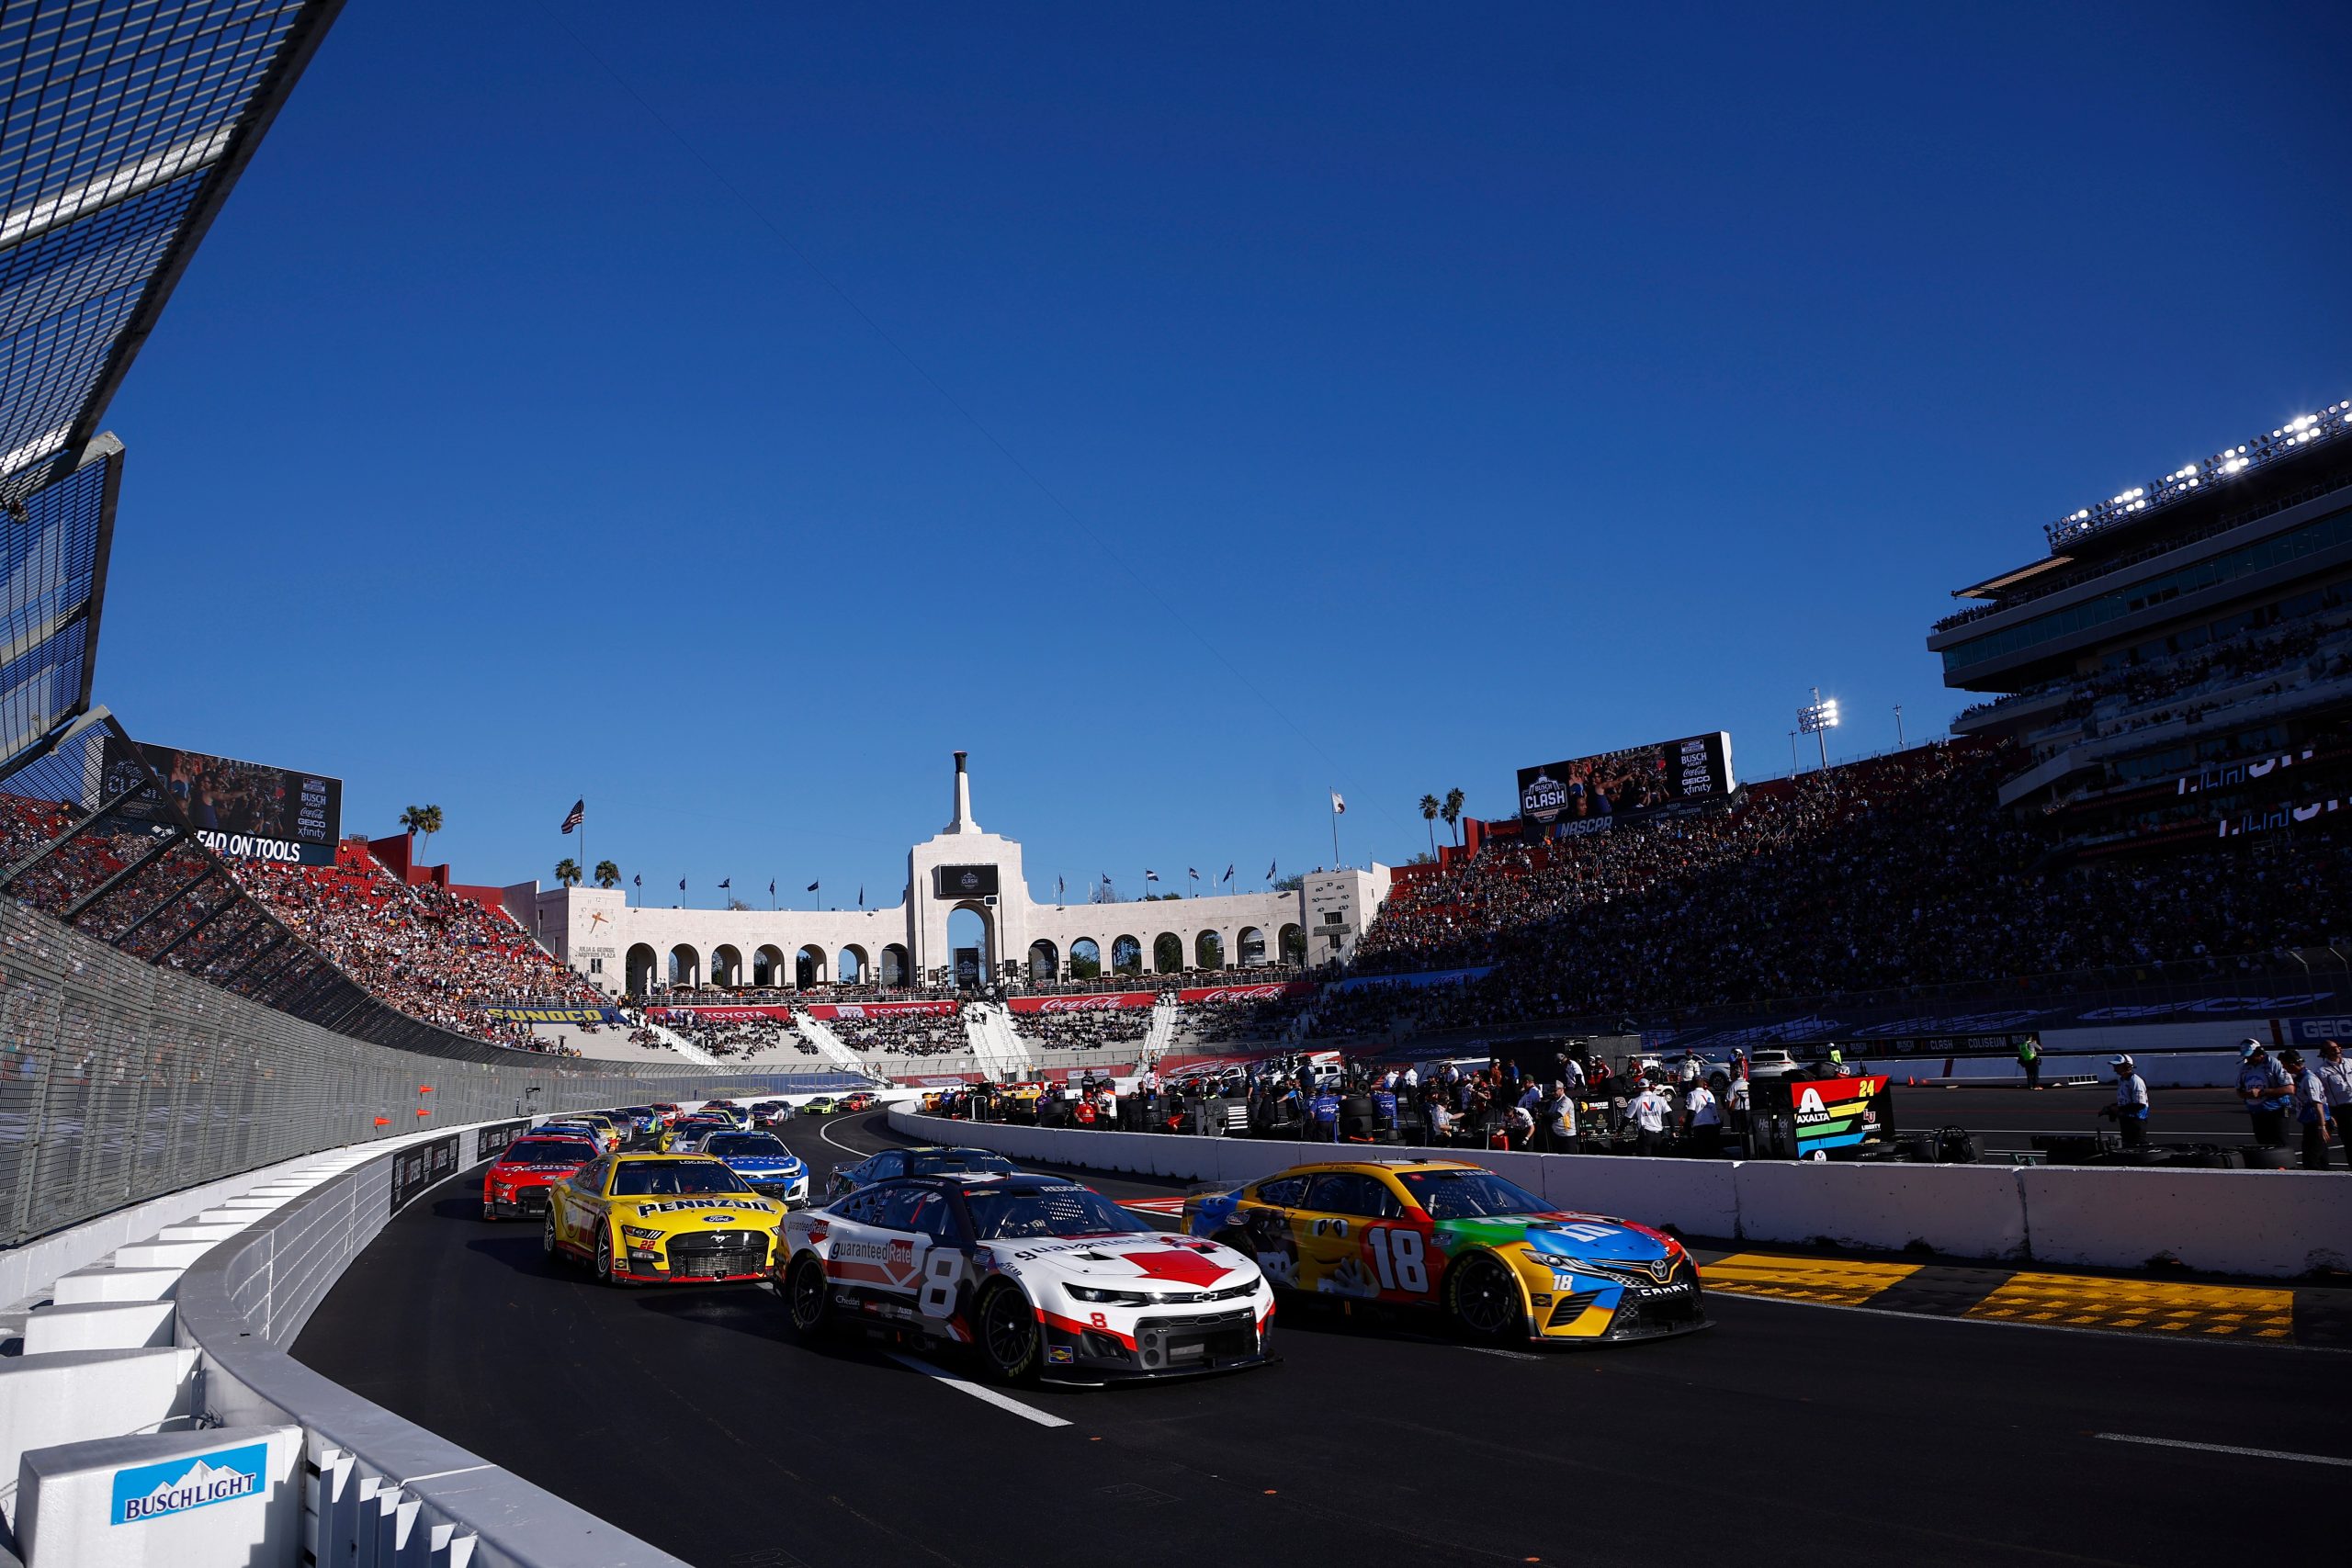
(767, 1166)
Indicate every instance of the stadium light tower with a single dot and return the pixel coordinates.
(1817, 718)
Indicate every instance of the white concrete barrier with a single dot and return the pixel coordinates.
(1967, 1211)
(233, 1495)
(77, 1396)
(2271, 1222)
(2275, 1225)
(103, 1284)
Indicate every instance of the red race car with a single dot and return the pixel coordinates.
(518, 1180)
(864, 1100)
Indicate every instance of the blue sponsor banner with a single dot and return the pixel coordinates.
(1947, 1025)
(1415, 977)
(147, 1492)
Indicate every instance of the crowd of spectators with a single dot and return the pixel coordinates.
(1242, 1020)
(1897, 873)
(745, 1037)
(902, 1032)
(1084, 1031)
(433, 954)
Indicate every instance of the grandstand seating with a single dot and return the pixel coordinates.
(1899, 872)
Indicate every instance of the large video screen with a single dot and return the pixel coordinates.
(1609, 785)
(966, 880)
(241, 810)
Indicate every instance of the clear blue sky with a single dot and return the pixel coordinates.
(1414, 394)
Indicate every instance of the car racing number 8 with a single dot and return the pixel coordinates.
(1398, 1257)
(941, 1269)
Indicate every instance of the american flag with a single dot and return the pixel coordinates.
(577, 815)
(1150, 875)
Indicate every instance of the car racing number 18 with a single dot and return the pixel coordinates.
(1399, 1259)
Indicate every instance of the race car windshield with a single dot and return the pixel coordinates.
(551, 1153)
(1002, 1215)
(675, 1180)
(746, 1143)
(1469, 1194)
(961, 1165)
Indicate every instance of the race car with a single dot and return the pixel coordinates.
(655, 1219)
(680, 1137)
(667, 1110)
(516, 1182)
(860, 1099)
(641, 1121)
(727, 1111)
(603, 1128)
(1041, 1277)
(1499, 1260)
(927, 1159)
(821, 1105)
(771, 1113)
(761, 1160)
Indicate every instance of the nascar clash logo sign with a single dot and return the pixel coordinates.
(146, 1491)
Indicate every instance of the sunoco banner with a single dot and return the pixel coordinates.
(564, 1012)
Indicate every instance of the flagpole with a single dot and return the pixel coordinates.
(1335, 830)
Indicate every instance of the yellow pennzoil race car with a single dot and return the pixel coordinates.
(1496, 1260)
(654, 1219)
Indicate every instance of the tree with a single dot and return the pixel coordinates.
(425, 819)
(608, 875)
(1085, 966)
(1453, 799)
(1431, 806)
(567, 871)
(735, 903)
(1291, 884)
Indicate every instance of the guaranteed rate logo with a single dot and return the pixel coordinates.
(146, 1491)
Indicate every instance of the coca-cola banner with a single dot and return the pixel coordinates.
(1118, 1001)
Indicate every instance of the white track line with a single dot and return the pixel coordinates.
(2221, 1449)
(985, 1396)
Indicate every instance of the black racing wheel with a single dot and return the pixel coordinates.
(807, 1295)
(1011, 1350)
(605, 1255)
(1483, 1297)
(548, 1247)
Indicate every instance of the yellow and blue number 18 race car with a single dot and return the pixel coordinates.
(653, 1219)
(1499, 1260)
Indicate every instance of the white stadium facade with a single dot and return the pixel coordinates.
(1005, 935)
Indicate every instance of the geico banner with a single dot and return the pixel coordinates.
(492, 1141)
(414, 1169)
(566, 1013)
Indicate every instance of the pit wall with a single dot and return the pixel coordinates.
(2269, 1224)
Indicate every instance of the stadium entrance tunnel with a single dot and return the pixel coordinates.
(1085, 958)
(1250, 947)
(767, 966)
(894, 965)
(726, 966)
(1045, 961)
(808, 967)
(685, 966)
(1127, 955)
(852, 966)
(972, 926)
(1168, 953)
(643, 967)
(1208, 950)
(1294, 944)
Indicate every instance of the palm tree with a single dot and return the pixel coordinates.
(425, 819)
(1453, 799)
(1430, 809)
(608, 875)
(567, 871)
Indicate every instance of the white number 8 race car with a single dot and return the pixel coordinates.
(1039, 1276)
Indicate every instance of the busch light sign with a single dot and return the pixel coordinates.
(147, 1492)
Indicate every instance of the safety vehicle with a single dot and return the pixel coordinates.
(1040, 1276)
(925, 1159)
(767, 1166)
(646, 1218)
(516, 1182)
(1503, 1264)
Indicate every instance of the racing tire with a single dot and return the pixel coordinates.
(489, 1210)
(807, 1297)
(605, 1256)
(1483, 1299)
(1011, 1348)
(549, 1247)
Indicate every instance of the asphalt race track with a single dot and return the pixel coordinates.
(1791, 1434)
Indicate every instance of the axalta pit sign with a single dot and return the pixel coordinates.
(147, 1492)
